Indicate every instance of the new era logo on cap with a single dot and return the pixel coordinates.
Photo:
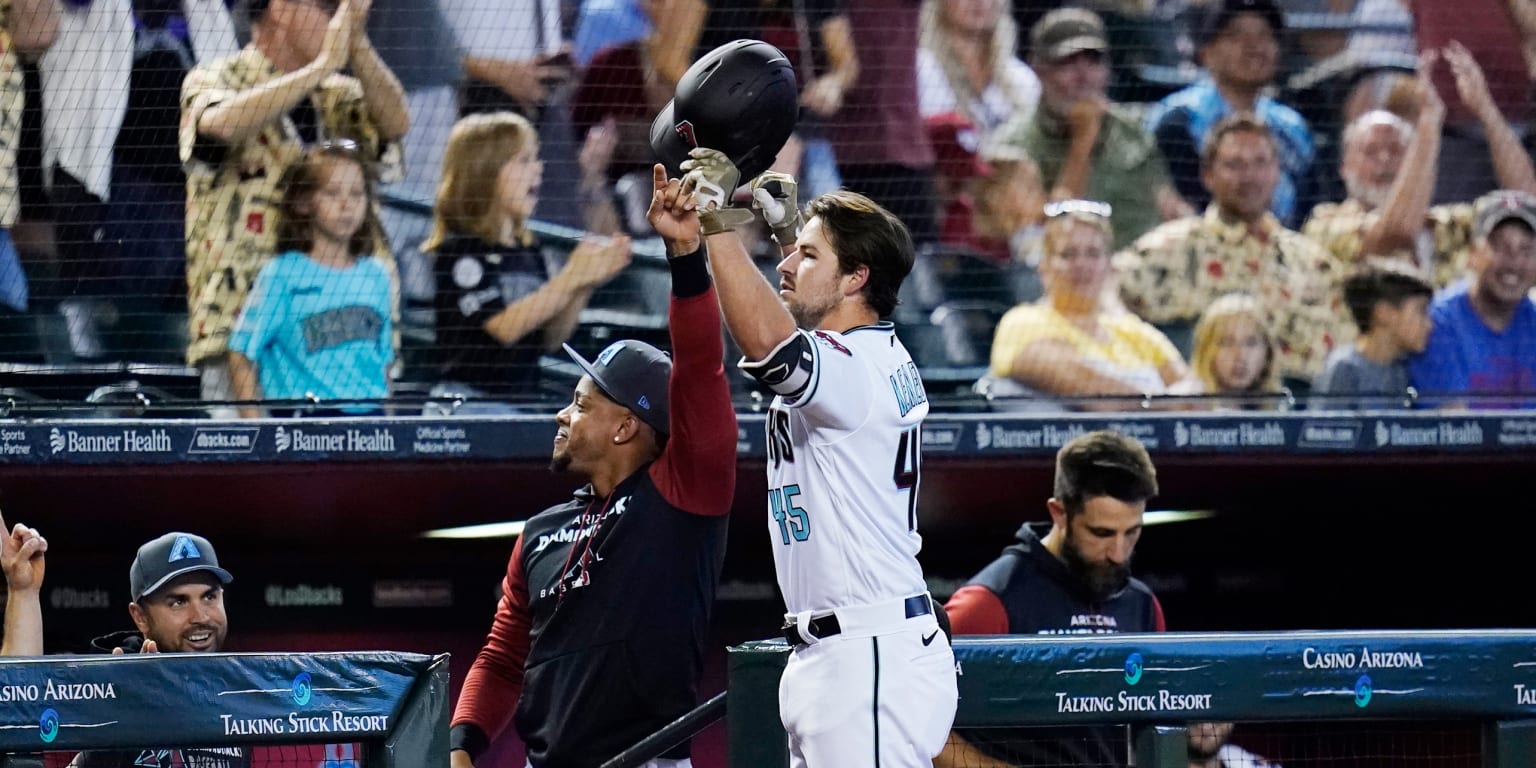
(635, 375)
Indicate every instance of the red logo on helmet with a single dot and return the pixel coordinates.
(685, 130)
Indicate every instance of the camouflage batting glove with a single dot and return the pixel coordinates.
(714, 179)
(775, 194)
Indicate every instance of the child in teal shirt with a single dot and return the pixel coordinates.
(317, 323)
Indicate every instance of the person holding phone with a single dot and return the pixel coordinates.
(514, 54)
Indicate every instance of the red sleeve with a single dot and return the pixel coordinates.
(495, 680)
(1158, 623)
(976, 610)
(697, 471)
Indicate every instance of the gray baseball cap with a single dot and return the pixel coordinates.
(169, 556)
(1495, 208)
(1065, 32)
(635, 375)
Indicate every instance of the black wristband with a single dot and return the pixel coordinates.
(690, 274)
(468, 737)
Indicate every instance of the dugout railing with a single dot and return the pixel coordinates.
(1156, 684)
(393, 705)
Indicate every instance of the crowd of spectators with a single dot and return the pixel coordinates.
(1240, 199)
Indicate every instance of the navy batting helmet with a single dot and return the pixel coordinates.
(740, 99)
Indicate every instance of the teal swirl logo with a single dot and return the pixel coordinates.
(302, 689)
(48, 725)
(1363, 691)
(1133, 669)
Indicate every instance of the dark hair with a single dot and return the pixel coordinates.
(255, 9)
(295, 224)
(864, 234)
(1103, 463)
(1379, 281)
(1237, 122)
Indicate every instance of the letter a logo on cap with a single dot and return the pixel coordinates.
(645, 402)
(183, 549)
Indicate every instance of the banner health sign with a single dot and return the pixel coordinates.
(182, 699)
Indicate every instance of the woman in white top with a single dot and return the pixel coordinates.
(966, 63)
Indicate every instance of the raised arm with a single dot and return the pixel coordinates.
(495, 680)
(697, 471)
(1401, 216)
(242, 115)
(1084, 121)
(22, 557)
(758, 321)
(382, 92)
(1511, 164)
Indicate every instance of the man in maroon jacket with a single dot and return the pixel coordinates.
(599, 637)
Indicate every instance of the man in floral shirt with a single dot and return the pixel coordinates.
(1175, 271)
(244, 119)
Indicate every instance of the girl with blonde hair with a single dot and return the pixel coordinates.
(1234, 349)
(501, 301)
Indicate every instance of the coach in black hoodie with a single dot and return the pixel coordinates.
(1074, 581)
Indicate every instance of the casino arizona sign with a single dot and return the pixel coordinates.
(1311, 658)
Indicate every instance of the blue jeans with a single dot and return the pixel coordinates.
(13, 280)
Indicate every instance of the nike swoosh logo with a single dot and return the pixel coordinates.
(929, 639)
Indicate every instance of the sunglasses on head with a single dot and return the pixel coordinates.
(1090, 207)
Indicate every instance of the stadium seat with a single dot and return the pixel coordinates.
(966, 276)
(133, 399)
(141, 331)
(966, 328)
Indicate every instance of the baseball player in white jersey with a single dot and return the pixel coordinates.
(871, 680)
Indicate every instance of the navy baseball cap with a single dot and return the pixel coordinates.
(633, 374)
(169, 556)
(1218, 14)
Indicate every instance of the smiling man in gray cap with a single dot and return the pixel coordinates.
(1484, 336)
(177, 588)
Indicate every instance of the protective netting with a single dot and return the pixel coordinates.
(323, 205)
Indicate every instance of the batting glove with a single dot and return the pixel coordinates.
(774, 194)
(714, 178)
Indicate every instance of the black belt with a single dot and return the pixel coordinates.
(823, 627)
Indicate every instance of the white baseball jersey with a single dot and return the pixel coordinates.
(843, 470)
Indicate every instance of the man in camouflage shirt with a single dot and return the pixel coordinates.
(1389, 168)
(1175, 271)
(244, 120)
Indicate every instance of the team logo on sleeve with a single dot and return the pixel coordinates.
(826, 338)
(467, 272)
